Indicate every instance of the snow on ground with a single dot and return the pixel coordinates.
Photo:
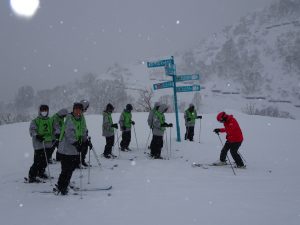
(164, 191)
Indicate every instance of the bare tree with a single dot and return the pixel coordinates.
(145, 100)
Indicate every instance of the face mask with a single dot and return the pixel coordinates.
(44, 114)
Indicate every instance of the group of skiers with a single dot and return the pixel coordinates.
(69, 134)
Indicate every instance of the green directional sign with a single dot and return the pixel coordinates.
(188, 88)
(170, 69)
(167, 84)
(187, 77)
(160, 63)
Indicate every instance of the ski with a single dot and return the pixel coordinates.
(104, 188)
(26, 180)
(202, 165)
(55, 192)
(133, 158)
(206, 165)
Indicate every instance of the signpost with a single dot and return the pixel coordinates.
(170, 70)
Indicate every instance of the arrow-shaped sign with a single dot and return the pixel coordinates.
(160, 63)
(188, 88)
(187, 77)
(167, 84)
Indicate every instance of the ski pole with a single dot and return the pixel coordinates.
(170, 142)
(227, 156)
(166, 140)
(96, 157)
(119, 143)
(47, 164)
(200, 131)
(242, 157)
(135, 138)
(147, 141)
(89, 171)
(81, 175)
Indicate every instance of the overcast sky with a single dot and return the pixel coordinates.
(69, 38)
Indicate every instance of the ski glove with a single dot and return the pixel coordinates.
(170, 125)
(115, 125)
(217, 130)
(164, 125)
(188, 119)
(89, 143)
(40, 138)
(199, 117)
(132, 122)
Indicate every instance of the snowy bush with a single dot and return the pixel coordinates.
(267, 111)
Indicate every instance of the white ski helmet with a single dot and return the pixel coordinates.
(85, 104)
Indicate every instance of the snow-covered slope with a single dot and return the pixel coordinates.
(255, 63)
(164, 191)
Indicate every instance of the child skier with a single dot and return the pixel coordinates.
(125, 122)
(108, 131)
(58, 121)
(190, 116)
(73, 134)
(41, 131)
(159, 126)
(234, 139)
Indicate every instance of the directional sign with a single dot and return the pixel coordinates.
(187, 77)
(170, 69)
(160, 63)
(167, 84)
(188, 88)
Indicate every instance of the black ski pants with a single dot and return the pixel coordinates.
(109, 144)
(156, 145)
(39, 163)
(50, 153)
(84, 151)
(126, 138)
(189, 134)
(233, 147)
(68, 165)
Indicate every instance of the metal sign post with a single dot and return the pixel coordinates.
(170, 70)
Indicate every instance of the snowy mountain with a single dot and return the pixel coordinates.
(253, 65)
(169, 192)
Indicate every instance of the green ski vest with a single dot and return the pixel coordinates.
(110, 129)
(127, 119)
(191, 115)
(80, 127)
(161, 118)
(44, 128)
(58, 119)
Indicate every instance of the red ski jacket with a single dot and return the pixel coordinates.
(233, 130)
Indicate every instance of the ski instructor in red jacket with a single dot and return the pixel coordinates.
(234, 139)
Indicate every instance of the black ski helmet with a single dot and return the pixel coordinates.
(77, 105)
(109, 107)
(129, 107)
(44, 108)
(191, 106)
